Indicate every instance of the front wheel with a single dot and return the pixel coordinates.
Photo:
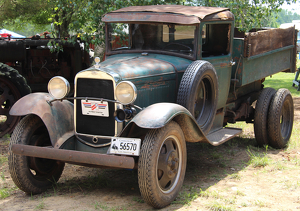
(32, 175)
(162, 165)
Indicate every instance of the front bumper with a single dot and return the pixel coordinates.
(76, 157)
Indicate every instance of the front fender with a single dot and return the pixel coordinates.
(158, 115)
(57, 117)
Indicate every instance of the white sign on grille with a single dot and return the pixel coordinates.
(94, 108)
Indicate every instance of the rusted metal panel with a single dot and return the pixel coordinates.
(260, 66)
(57, 117)
(153, 17)
(224, 15)
(75, 157)
(267, 40)
(200, 12)
(167, 13)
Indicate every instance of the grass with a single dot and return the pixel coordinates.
(217, 206)
(6, 192)
(235, 176)
(283, 80)
(41, 205)
(258, 159)
(3, 159)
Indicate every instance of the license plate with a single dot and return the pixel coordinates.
(94, 108)
(125, 146)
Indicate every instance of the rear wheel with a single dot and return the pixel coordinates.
(281, 118)
(261, 116)
(30, 174)
(162, 165)
(13, 86)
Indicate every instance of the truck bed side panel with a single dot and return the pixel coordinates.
(267, 61)
(267, 40)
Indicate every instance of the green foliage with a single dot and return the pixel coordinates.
(83, 18)
(248, 14)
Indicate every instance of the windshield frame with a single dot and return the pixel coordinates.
(109, 52)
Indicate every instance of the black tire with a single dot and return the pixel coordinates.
(198, 92)
(32, 175)
(261, 116)
(162, 165)
(13, 86)
(280, 119)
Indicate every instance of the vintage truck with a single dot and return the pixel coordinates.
(27, 65)
(173, 74)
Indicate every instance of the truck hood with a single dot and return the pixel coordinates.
(135, 66)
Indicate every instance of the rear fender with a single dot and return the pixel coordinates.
(57, 117)
(158, 115)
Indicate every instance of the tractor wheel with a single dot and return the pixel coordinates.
(281, 118)
(162, 165)
(261, 116)
(13, 86)
(198, 92)
(32, 175)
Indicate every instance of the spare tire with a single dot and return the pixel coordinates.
(198, 92)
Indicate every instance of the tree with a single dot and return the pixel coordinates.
(285, 16)
(77, 17)
(248, 13)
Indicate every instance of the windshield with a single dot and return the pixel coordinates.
(152, 37)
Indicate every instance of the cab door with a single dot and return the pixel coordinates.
(215, 45)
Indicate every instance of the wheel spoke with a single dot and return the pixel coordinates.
(169, 146)
(164, 181)
(163, 162)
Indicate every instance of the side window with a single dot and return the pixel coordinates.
(215, 39)
(119, 36)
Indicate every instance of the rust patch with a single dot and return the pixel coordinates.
(154, 85)
(223, 65)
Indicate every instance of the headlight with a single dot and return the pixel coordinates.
(126, 92)
(58, 87)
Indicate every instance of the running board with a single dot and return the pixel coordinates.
(220, 136)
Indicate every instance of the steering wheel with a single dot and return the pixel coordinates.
(182, 45)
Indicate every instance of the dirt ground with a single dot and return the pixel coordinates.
(217, 178)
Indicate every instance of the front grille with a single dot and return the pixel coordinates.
(95, 125)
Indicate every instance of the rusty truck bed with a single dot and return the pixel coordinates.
(263, 53)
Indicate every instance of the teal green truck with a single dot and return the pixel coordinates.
(172, 74)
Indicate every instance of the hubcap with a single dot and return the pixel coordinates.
(169, 164)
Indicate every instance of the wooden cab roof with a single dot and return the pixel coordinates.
(168, 14)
